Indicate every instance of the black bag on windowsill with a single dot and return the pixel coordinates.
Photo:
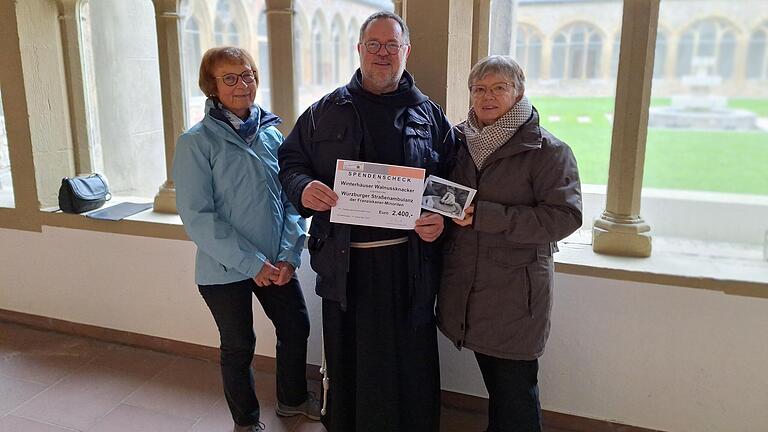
(83, 193)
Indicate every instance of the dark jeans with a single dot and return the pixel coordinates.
(513, 394)
(231, 306)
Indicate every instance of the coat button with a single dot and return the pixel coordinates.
(459, 343)
(461, 326)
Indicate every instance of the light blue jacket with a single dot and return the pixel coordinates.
(231, 202)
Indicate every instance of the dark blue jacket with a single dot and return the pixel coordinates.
(331, 129)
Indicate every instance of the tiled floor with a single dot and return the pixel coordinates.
(51, 382)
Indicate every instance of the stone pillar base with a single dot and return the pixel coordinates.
(165, 200)
(620, 235)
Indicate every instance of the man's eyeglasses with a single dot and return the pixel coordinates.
(374, 47)
(230, 79)
(498, 89)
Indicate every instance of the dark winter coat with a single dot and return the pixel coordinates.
(496, 287)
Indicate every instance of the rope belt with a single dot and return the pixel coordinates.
(377, 244)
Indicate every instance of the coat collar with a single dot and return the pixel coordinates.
(527, 137)
(225, 132)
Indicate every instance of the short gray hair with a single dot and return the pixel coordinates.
(387, 15)
(505, 66)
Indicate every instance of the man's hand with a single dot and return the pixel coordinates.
(317, 196)
(285, 273)
(265, 275)
(429, 226)
(468, 216)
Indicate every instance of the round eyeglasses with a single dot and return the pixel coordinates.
(498, 89)
(374, 47)
(230, 79)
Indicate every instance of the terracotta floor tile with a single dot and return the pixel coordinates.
(134, 360)
(266, 386)
(82, 398)
(18, 424)
(186, 388)
(126, 418)
(306, 425)
(461, 421)
(41, 357)
(219, 419)
(14, 392)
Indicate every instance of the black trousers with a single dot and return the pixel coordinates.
(513, 394)
(231, 306)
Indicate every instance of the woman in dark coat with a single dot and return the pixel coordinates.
(496, 289)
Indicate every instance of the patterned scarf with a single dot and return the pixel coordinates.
(247, 129)
(482, 141)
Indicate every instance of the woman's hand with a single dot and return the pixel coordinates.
(265, 275)
(285, 273)
(468, 215)
(429, 226)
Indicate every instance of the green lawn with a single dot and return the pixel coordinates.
(734, 162)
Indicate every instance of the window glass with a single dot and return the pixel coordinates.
(6, 185)
(211, 23)
(122, 85)
(569, 63)
(325, 43)
(707, 128)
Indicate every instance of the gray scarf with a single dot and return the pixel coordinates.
(483, 141)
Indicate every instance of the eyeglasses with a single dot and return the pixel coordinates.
(230, 79)
(374, 47)
(498, 89)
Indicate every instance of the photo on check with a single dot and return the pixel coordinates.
(446, 197)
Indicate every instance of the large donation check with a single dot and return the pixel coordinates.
(379, 195)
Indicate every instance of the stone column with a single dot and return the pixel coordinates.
(280, 31)
(620, 230)
(441, 49)
(168, 23)
(503, 27)
(398, 7)
(73, 65)
(19, 118)
(481, 14)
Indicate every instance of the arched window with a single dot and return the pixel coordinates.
(298, 50)
(615, 51)
(264, 72)
(757, 60)
(660, 57)
(594, 51)
(528, 51)
(708, 39)
(353, 33)
(559, 51)
(336, 49)
(190, 43)
(318, 34)
(576, 53)
(225, 31)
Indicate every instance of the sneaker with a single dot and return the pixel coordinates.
(252, 428)
(310, 408)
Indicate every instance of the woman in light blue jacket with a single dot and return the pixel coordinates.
(249, 237)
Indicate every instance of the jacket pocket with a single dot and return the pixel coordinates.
(508, 272)
(418, 135)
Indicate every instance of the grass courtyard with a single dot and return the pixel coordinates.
(717, 161)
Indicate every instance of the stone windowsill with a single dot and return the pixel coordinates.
(734, 268)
